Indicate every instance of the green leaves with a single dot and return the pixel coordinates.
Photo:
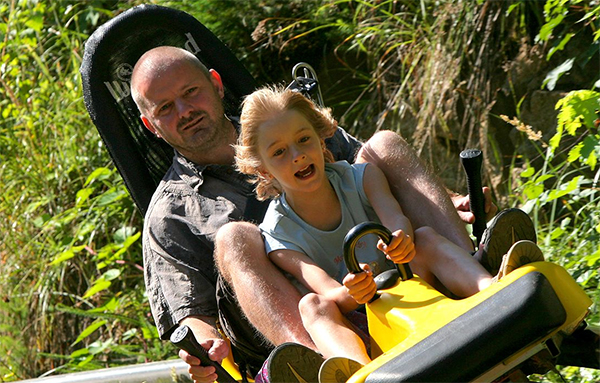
(534, 188)
(89, 330)
(35, 22)
(559, 47)
(579, 110)
(562, 196)
(66, 255)
(99, 174)
(564, 189)
(102, 283)
(586, 152)
(554, 75)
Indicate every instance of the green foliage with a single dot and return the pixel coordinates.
(71, 284)
(565, 191)
(563, 197)
(567, 21)
(427, 70)
(579, 109)
(271, 36)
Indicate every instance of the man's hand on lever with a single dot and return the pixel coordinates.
(461, 203)
(209, 338)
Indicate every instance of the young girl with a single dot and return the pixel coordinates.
(317, 202)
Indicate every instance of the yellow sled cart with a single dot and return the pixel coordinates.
(420, 335)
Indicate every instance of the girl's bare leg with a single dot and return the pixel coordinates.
(330, 330)
(443, 264)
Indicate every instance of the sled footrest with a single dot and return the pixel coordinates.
(518, 315)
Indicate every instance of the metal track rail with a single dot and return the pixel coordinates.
(155, 372)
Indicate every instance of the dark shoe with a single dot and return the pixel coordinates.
(506, 228)
(338, 370)
(293, 363)
(519, 254)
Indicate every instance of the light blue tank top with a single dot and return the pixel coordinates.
(284, 229)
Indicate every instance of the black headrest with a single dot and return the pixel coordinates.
(110, 54)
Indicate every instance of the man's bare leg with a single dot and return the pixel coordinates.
(420, 193)
(265, 295)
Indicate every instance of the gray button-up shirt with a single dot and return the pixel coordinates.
(189, 206)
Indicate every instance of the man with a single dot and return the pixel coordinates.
(180, 101)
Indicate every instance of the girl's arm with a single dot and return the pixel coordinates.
(306, 271)
(387, 208)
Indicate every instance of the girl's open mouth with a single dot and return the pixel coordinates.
(306, 172)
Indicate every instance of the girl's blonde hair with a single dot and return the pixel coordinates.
(261, 106)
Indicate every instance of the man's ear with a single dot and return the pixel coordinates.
(215, 78)
(149, 125)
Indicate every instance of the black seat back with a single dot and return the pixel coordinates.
(110, 54)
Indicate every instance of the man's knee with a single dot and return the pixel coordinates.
(237, 230)
(238, 243)
(384, 147)
(387, 137)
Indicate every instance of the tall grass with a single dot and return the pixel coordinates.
(70, 258)
(431, 71)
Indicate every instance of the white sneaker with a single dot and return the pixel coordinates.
(519, 254)
(338, 369)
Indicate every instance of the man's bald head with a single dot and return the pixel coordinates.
(154, 63)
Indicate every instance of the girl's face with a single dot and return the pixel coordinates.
(291, 152)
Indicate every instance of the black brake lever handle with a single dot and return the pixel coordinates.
(471, 160)
(183, 338)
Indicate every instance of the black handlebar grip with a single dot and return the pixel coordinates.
(471, 160)
(183, 338)
(358, 232)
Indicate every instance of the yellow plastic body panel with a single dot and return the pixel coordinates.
(229, 364)
(232, 368)
(412, 310)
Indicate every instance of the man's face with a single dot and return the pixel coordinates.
(184, 107)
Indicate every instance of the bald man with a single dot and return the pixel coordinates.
(180, 101)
